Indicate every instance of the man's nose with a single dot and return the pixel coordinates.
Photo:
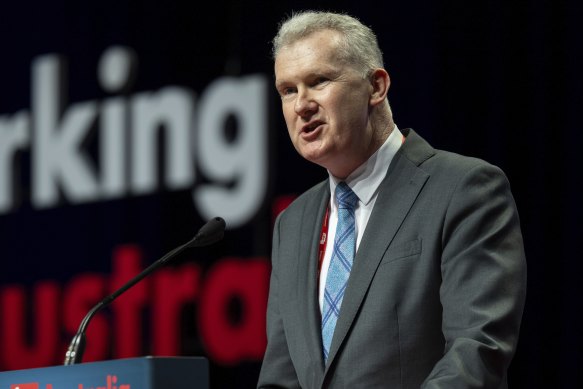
(305, 104)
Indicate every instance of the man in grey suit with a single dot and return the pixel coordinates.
(423, 275)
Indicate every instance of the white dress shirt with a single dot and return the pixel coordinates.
(364, 182)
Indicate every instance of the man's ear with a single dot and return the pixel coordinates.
(380, 82)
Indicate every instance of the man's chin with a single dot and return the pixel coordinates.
(322, 162)
(314, 156)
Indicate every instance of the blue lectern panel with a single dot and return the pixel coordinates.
(131, 373)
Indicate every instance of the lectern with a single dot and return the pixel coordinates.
(130, 373)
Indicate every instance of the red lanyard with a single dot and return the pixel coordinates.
(323, 239)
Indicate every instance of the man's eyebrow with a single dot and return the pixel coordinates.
(280, 83)
(310, 75)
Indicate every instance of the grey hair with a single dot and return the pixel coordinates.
(359, 46)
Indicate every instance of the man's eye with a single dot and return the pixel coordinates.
(287, 91)
(320, 81)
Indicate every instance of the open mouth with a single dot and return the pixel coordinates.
(311, 127)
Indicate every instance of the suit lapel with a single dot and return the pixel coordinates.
(308, 280)
(397, 194)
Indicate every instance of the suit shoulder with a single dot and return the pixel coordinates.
(451, 173)
(454, 164)
(435, 161)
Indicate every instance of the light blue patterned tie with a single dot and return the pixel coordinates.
(340, 263)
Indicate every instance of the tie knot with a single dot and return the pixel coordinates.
(345, 197)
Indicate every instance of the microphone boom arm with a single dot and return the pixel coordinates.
(211, 232)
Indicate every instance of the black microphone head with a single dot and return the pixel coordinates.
(211, 232)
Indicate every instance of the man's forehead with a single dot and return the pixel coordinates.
(301, 68)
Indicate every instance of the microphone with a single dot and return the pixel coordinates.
(210, 233)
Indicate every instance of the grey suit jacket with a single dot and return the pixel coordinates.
(436, 292)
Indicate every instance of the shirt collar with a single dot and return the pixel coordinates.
(367, 178)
